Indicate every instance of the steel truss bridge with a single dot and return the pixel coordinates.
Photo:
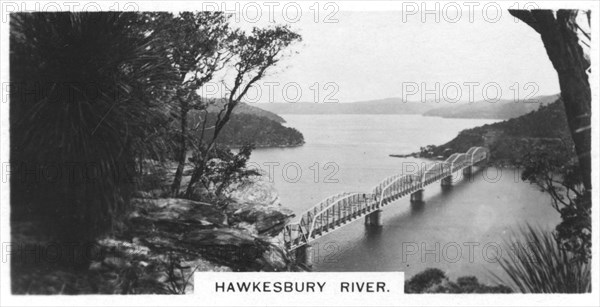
(336, 211)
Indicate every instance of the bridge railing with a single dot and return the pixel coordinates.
(435, 171)
(341, 210)
(380, 189)
(332, 211)
(394, 187)
(457, 161)
(477, 154)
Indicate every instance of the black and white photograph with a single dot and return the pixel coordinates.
(299, 153)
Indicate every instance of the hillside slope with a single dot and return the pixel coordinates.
(383, 106)
(260, 131)
(503, 109)
(248, 109)
(247, 127)
(511, 139)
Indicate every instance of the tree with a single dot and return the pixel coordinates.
(553, 170)
(224, 168)
(196, 45)
(434, 280)
(567, 45)
(561, 259)
(253, 55)
(84, 97)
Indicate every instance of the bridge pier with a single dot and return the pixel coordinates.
(373, 219)
(417, 196)
(447, 181)
(468, 171)
(304, 255)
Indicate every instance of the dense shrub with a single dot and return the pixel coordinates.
(542, 266)
(435, 281)
(80, 105)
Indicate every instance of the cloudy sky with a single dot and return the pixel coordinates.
(376, 55)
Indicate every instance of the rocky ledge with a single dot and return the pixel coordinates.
(166, 240)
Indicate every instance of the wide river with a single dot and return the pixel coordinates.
(461, 230)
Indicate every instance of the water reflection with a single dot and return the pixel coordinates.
(417, 207)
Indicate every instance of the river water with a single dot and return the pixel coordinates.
(461, 230)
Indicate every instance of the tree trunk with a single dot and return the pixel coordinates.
(182, 154)
(199, 171)
(559, 35)
(196, 175)
(577, 91)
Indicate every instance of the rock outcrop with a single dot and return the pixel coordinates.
(255, 206)
(163, 241)
(197, 229)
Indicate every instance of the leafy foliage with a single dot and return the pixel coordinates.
(177, 280)
(511, 139)
(435, 281)
(252, 56)
(196, 46)
(223, 168)
(90, 78)
(556, 173)
(541, 266)
(568, 44)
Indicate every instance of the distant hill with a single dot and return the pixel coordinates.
(260, 131)
(244, 108)
(511, 139)
(383, 106)
(503, 109)
(249, 124)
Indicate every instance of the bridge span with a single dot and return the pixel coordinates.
(336, 211)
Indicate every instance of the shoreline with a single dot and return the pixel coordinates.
(266, 146)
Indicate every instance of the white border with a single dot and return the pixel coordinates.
(593, 299)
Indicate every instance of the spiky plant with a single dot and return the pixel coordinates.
(81, 109)
(539, 265)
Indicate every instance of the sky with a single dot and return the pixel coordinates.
(377, 55)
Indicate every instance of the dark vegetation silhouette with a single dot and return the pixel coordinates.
(96, 96)
(568, 46)
(435, 281)
(539, 264)
(566, 179)
(559, 163)
(82, 107)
